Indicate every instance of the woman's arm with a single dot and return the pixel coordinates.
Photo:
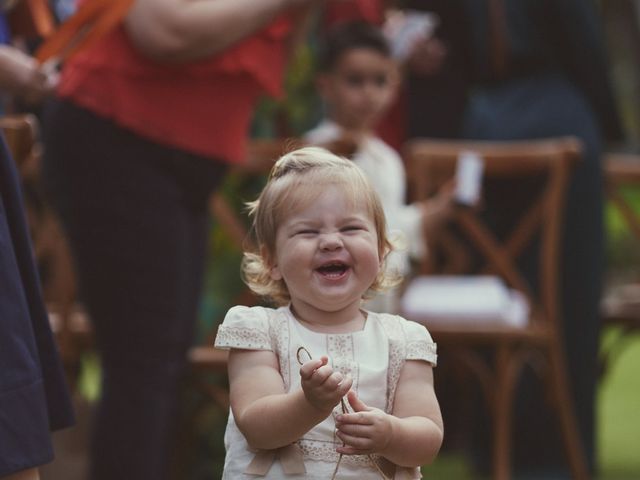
(183, 30)
(29, 474)
(20, 74)
(268, 416)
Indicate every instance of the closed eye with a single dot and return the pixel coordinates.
(353, 228)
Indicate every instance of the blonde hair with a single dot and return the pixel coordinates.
(297, 179)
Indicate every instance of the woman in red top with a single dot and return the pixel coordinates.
(143, 128)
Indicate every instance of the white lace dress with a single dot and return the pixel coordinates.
(373, 357)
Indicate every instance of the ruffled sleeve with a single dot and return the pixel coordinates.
(420, 345)
(244, 328)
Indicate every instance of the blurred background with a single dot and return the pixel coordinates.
(199, 452)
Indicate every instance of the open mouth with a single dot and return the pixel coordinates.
(332, 270)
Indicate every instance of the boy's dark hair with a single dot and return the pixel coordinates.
(349, 35)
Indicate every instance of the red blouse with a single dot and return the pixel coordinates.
(203, 107)
(371, 11)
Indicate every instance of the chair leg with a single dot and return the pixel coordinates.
(568, 423)
(502, 414)
(509, 363)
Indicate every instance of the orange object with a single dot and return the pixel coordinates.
(92, 20)
(31, 19)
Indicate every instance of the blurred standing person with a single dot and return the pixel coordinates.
(143, 129)
(538, 69)
(33, 394)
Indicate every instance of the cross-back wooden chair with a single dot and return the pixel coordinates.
(68, 322)
(620, 309)
(539, 341)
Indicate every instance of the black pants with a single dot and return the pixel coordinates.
(136, 217)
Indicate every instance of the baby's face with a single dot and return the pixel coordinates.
(359, 88)
(327, 253)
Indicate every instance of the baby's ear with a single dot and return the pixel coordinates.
(271, 265)
(274, 273)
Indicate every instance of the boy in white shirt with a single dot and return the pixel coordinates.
(358, 81)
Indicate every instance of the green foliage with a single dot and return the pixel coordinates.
(89, 377)
(623, 248)
(618, 422)
(223, 283)
(299, 109)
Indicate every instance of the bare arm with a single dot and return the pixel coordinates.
(418, 429)
(20, 74)
(30, 474)
(268, 416)
(411, 436)
(183, 30)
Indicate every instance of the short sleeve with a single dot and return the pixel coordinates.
(420, 345)
(244, 328)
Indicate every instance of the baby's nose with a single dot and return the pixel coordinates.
(330, 241)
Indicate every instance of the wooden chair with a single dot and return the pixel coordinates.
(539, 341)
(620, 308)
(68, 321)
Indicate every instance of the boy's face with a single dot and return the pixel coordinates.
(359, 88)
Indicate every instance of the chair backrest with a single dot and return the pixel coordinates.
(524, 182)
(20, 133)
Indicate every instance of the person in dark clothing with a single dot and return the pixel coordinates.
(538, 69)
(33, 394)
(438, 96)
(143, 128)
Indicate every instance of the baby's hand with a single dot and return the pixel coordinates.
(368, 430)
(323, 387)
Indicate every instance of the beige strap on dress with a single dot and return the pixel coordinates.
(290, 457)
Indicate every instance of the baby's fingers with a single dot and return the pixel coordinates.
(323, 376)
(357, 418)
(346, 450)
(344, 386)
(353, 444)
(310, 367)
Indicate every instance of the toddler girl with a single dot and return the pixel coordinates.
(321, 244)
